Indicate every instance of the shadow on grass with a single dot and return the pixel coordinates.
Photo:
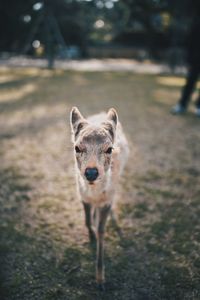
(162, 262)
(14, 83)
(14, 191)
(164, 259)
(29, 267)
(30, 90)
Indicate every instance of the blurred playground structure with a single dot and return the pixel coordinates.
(65, 29)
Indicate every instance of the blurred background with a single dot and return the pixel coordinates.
(66, 29)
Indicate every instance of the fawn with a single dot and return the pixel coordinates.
(101, 150)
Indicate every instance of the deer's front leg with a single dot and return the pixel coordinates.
(102, 214)
(88, 221)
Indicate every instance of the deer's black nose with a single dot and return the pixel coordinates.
(91, 174)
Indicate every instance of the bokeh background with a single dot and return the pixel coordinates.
(149, 29)
(127, 54)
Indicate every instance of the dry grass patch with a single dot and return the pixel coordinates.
(44, 250)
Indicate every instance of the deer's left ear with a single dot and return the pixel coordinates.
(112, 116)
(111, 123)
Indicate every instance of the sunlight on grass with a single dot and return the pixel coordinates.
(40, 72)
(169, 98)
(7, 78)
(165, 96)
(173, 81)
(11, 95)
(39, 115)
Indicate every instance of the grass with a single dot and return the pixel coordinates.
(44, 249)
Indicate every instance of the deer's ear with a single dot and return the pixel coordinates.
(77, 121)
(75, 116)
(111, 123)
(112, 117)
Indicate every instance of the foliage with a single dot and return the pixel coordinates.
(148, 23)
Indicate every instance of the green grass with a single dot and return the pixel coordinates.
(44, 249)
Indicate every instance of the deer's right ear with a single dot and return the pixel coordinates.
(76, 120)
(75, 116)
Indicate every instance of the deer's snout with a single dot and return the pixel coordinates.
(91, 174)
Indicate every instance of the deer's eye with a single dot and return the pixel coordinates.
(77, 149)
(109, 150)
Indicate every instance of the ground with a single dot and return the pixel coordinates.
(44, 248)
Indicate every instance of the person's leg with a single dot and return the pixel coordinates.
(189, 86)
(198, 101)
(197, 112)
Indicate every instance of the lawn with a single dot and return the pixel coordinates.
(44, 249)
